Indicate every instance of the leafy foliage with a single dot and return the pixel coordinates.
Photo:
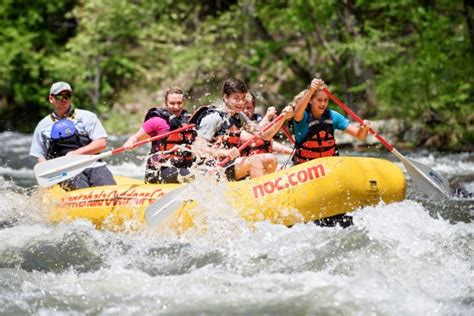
(30, 31)
(401, 59)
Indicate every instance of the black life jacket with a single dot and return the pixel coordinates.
(319, 142)
(228, 135)
(64, 137)
(166, 147)
(256, 117)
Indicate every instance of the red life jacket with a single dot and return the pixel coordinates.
(258, 146)
(228, 135)
(319, 142)
(176, 147)
(229, 139)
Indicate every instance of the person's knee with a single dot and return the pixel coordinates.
(265, 162)
(270, 162)
(255, 161)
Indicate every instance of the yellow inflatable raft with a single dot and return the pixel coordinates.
(311, 191)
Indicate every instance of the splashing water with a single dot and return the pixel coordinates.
(412, 257)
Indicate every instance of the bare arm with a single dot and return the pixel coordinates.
(268, 134)
(359, 132)
(95, 147)
(269, 116)
(281, 149)
(138, 136)
(301, 105)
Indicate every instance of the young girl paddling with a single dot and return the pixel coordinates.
(314, 125)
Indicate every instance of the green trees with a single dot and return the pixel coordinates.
(431, 80)
(30, 31)
(402, 59)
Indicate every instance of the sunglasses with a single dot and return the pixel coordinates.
(175, 103)
(61, 97)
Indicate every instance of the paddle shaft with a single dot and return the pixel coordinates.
(151, 139)
(430, 176)
(358, 119)
(248, 142)
(94, 158)
(285, 131)
(361, 122)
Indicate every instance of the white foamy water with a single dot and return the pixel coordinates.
(446, 165)
(128, 169)
(23, 172)
(408, 258)
(396, 259)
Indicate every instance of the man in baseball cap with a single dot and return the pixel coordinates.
(58, 87)
(68, 130)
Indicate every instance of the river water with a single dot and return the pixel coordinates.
(408, 258)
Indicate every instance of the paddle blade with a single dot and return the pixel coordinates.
(160, 210)
(427, 180)
(57, 170)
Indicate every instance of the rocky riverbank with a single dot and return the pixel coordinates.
(392, 130)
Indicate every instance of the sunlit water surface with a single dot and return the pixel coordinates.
(408, 258)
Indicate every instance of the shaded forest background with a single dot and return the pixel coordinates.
(410, 60)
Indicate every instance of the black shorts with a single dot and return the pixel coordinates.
(230, 170)
(166, 174)
(90, 177)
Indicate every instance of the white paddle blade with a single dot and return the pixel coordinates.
(57, 170)
(427, 180)
(160, 210)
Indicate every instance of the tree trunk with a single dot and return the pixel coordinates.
(263, 33)
(95, 93)
(358, 72)
(468, 8)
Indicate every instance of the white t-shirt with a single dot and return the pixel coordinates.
(211, 123)
(85, 122)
